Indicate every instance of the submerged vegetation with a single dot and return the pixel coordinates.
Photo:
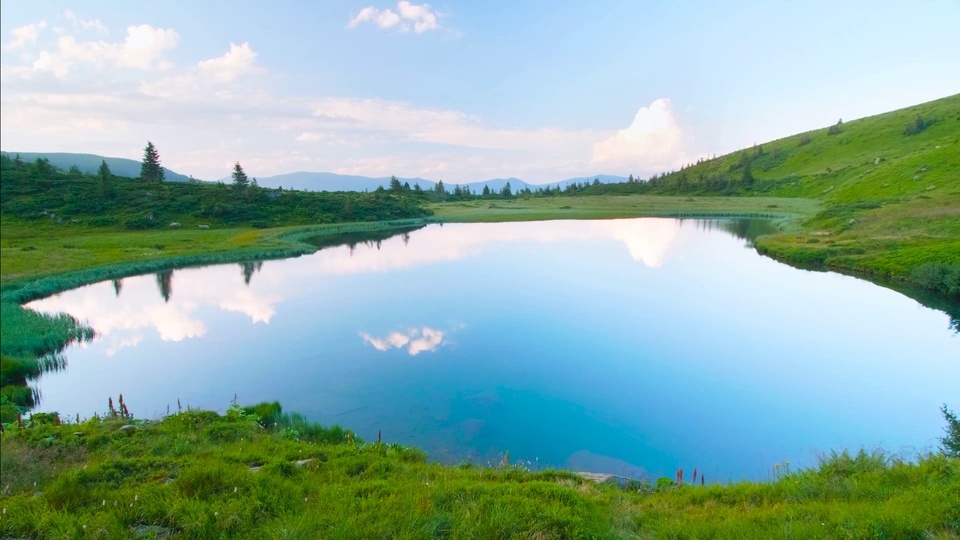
(257, 472)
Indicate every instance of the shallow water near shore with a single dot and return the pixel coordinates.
(632, 347)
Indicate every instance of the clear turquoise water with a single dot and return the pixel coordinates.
(626, 346)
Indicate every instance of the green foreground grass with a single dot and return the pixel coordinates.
(257, 473)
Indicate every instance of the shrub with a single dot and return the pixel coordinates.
(941, 277)
(915, 126)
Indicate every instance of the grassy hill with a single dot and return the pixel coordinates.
(90, 164)
(889, 186)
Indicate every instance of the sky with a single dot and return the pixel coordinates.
(457, 91)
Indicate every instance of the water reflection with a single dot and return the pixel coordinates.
(415, 340)
(165, 284)
(249, 269)
(617, 346)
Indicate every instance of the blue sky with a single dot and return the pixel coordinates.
(459, 91)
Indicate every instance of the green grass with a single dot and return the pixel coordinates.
(787, 210)
(198, 474)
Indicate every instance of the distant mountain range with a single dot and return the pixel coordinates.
(90, 164)
(317, 181)
(304, 181)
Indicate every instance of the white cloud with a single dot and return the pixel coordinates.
(216, 111)
(25, 35)
(142, 48)
(423, 19)
(80, 24)
(408, 16)
(239, 60)
(653, 138)
(306, 136)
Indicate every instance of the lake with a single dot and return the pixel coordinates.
(632, 347)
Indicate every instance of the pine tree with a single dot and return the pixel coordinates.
(239, 177)
(150, 169)
(395, 185)
(104, 179)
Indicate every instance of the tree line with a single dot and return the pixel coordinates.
(38, 190)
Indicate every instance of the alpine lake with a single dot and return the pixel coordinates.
(633, 347)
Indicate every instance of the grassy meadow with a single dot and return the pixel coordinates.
(879, 195)
(256, 472)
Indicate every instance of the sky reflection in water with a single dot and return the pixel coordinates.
(627, 346)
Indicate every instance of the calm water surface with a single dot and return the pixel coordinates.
(625, 346)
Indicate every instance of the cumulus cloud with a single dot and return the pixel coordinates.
(239, 60)
(142, 48)
(203, 108)
(408, 16)
(25, 35)
(653, 139)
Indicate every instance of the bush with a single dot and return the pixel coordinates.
(941, 277)
(915, 126)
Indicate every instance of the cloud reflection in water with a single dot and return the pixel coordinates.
(415, 340)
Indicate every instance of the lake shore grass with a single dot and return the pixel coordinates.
(258, 473)
(788, 212)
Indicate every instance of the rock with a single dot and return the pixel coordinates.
(175, 224)
(152, 531)
(595, 477)
(877, 161)
(203, 226)
(78, 433)
(303, 462)
(128, 427)
(852, 221)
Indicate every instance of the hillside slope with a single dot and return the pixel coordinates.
(90, 164)
(889, 187)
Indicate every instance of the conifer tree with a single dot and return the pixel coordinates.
(150, 169)
(239, 177)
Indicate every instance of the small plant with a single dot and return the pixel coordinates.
(804, 140)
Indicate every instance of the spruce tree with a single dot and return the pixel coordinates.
(104, 177)
(150, 169)
(239, 177)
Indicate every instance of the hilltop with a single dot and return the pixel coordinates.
(90, 164)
